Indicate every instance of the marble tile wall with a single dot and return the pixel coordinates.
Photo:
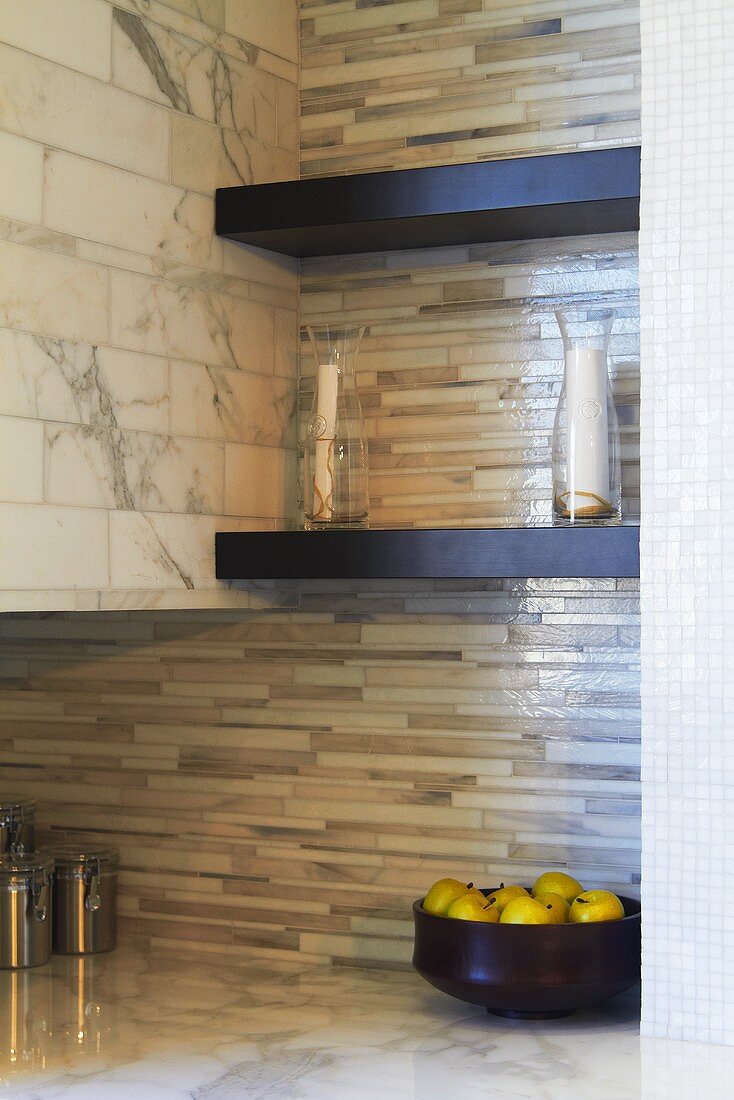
(461, 366)
(412, 82)
(288, 778)
(687, 254)
(147, 368)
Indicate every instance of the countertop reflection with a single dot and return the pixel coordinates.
(167, 1025)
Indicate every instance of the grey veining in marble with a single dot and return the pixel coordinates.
(96, 467)
(193, 77)
(150, 54)
(78, 383)
(164, 1026)
(218, 403)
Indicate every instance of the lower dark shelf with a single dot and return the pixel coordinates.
(409, 554)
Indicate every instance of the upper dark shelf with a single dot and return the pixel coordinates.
(408, 554)
(558, 195)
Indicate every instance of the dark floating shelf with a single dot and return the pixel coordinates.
(524, 198)
(440, 553)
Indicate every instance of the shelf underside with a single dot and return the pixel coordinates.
(559, 195)
(443, 553)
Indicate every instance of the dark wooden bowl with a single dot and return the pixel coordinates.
(529, 971)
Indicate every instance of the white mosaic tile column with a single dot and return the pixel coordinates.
(687, 276)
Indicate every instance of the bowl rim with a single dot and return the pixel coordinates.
(418, 908)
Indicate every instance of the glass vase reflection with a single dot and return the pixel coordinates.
(587, 473)
(336, 479)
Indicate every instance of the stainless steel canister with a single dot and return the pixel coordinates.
(17, 825)
(85, 899)
(25, 910)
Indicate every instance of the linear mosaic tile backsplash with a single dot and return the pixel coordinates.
(461, 367)
(289, 779)
(401, 84)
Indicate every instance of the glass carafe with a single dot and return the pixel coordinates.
(336, 482)
(587, 475)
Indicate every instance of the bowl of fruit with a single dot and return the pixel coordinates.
(531, 953)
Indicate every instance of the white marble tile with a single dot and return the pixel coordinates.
(21, 179)
(48, 293)
(175, 274)
(219, 403)
(224, 596)
(46, 547)
(272, 24)
(75, 33)
(179, 72)
(106, 123)
(165, 551)
(99, 468)
(210, 12)
(42, 599)
(136, 599)
(21, 460)
(129, 211)
(286, 343)
(36, 236)
(259, 481)
(122, 258)
(77, 383)
(186, 322)
(178, 17)
(136, 387)
(204, 157)
(260, 266)
(97, 92)
(288, 116)
(176, 20)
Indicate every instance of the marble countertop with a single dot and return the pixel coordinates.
(167, 1026)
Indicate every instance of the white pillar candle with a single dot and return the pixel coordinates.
(588, 432)
(323, 428)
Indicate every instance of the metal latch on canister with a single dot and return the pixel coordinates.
(92, 900)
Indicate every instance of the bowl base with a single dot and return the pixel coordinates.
(511, 1015)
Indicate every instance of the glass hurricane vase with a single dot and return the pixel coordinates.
(587, 476)
(336, 483)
